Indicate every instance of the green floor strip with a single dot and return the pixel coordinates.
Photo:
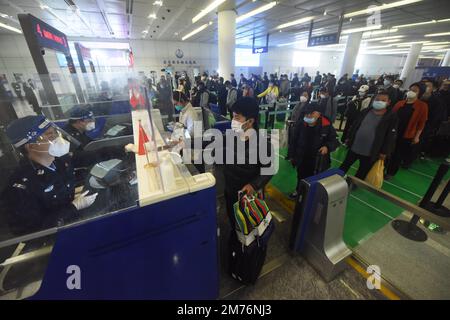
(367, 213)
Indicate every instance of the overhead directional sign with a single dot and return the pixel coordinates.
(331, 38)
(325, 39)
(261, 50)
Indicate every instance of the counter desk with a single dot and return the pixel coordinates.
(162, 244)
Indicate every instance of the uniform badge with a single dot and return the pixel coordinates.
(19, 186)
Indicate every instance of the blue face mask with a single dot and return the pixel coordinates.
(379, 105)
(309, 120)
(179, 107)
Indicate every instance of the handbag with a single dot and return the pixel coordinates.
(252, 216)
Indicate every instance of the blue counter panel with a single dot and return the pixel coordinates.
(167, 250)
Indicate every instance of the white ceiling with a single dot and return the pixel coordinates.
(173, 19)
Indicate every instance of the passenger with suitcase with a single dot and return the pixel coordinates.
(313, 139)
(245, 261)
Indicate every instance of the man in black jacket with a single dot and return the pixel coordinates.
(372, 136)
(313, 140)
(246, 176)
(222, 96)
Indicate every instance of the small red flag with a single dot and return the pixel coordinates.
(143, 138)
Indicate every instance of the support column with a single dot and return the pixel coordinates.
(227, 39)
(350, 54)
(411, 62)
(446, 60)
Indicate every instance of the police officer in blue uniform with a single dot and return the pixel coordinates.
(41, 192)
(81, 121)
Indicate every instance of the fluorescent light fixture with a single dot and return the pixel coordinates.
(152, 16)
(438, 34)
(3, 15)
(207, 10)
(377, 32)
(256, 11)
(106, 45)
(436, 43)
(390, 41)
(289, 43)
(2, 25)
(384, 38)
(293, 23)
(203, 27)
(158, 3)
(385, 6)
(415, 24)
(421, 23)
(407, 44)
(378, 47)
(436, 50)
(53, 13)
(354, 30)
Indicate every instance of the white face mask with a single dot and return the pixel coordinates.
(411, 94)
(236, 126)
(379, 105)
(322, 96)
(396, 86)
(59, 147)
(362, 93)
(303, 99)
(90, 126)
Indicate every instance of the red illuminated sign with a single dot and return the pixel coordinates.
(50, 36)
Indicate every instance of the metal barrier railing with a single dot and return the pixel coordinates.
(412, 208)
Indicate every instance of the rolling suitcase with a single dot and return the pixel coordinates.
(246, 262)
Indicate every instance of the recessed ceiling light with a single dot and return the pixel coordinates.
(152, 16)
(158, 3)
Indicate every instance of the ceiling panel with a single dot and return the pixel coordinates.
(173, 19)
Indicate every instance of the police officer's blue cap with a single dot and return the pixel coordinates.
(81, 113)
(27, 129)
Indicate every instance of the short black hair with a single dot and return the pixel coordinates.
(248, 107)
(384, 93)
(323, 89)
(421, 86)
(227, 82)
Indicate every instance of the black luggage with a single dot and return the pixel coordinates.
(246, 262)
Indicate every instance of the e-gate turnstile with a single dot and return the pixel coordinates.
(317, 230)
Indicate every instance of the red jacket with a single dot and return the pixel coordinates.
(418, 118)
